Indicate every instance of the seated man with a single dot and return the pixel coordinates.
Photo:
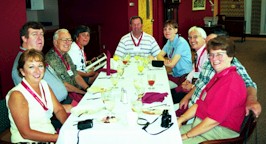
(197, 40)
(137, 42)
(32, 36)
(81, 38)
(59, 59)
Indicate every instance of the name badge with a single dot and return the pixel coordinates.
(70, 73)
(203, 95)
(196, 75)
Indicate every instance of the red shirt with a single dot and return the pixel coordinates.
(225, 99)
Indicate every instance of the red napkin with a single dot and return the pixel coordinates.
(180, 111)
(151, 97)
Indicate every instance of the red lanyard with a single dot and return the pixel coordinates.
(83, 53)
(63, 60)
(134, 40)
(197, 64)
(21, 50)
(34, 95)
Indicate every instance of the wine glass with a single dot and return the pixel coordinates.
(116, 58)
(139, 88)
(114, 80)
(126, 59)
(120, 71)
(140, 67)
(137, 106)
(137, 57)
(151, 80)
(109, 102)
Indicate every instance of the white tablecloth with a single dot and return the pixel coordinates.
(125, 130)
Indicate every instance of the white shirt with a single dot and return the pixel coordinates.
(78, 57)
(202, 59)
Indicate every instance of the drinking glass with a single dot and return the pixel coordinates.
(109, 101)
(140, 67)
(116, 58)
(120, 71)
(114, 80)
(126, 59)
(139, 88)
(137, 57)
(151, 80)
(137, 106)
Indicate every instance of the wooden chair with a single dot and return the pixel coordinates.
(4, 124)
(248, 125)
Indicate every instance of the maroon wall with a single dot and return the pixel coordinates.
(13, 16)
(188, 18)
(111, 16)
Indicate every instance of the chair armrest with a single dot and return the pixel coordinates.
(225, 141)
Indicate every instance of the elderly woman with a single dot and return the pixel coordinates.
(32, 103)
(220, 110)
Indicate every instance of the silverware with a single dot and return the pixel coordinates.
(104, 78)
(93, 98)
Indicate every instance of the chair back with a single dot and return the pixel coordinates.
(248, 126)
(4, 120)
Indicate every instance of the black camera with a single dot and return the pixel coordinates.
(166, 119)
(85, 124)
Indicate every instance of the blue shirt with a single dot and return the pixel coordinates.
(179, 47)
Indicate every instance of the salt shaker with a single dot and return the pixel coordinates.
(123, 96)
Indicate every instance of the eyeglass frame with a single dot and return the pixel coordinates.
(219, 55)
(66, 40)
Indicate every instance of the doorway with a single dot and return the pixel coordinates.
(146, 13)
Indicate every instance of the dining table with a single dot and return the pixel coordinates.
(124, 123)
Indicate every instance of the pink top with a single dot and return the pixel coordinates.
(224, 99)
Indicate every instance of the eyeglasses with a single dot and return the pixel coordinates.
(193, 37)
(219, 55)
(66, 40)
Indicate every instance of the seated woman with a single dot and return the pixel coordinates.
(179, 54)
(32, 103)
(220, 110)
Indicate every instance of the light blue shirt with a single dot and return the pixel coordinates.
(50, 77)
(179, 47)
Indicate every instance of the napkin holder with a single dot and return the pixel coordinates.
(97, 63)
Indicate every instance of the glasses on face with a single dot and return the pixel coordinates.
(193, 37)
(66, 40)
(219, 55)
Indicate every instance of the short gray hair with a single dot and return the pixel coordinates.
(55, 37)
(200, 30)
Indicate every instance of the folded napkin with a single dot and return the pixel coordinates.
(151, 97)
(180, 111)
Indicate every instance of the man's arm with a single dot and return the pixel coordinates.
(184, 102)
(80, 81)
(71, 88)
(252, 103)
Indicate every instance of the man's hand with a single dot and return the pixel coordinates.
(186, 85)
(254, 106)
(184, 103)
